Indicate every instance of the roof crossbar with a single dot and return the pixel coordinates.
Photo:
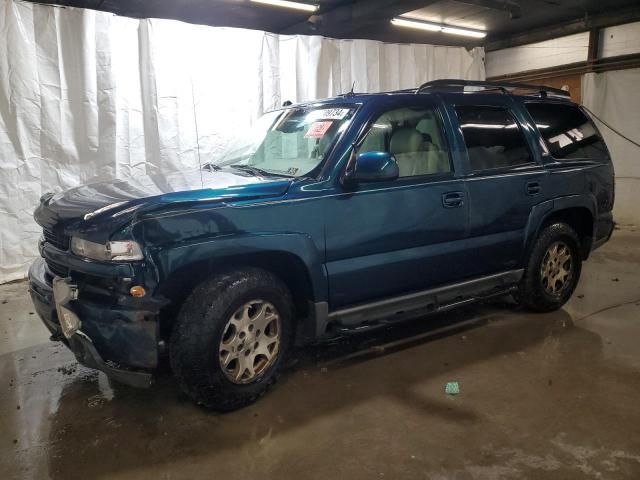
(504, 87)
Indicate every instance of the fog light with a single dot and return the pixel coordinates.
(137, 291)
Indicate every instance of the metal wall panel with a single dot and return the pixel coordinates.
(535, 56)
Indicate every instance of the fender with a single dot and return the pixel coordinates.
(571, 201)
(220, 248)
(542, 211)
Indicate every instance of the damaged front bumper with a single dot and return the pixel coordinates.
(106, 335)
(85, 351)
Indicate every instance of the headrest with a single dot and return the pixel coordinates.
(406, 140)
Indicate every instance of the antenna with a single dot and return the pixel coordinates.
(351, 93)
(195, 121)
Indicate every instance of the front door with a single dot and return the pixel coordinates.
(389, 238)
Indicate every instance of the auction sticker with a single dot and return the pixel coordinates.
(328, 114)
(333, 113)
(318, 129)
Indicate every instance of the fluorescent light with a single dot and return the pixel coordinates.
(437, 27)
(401, 22)
(488, 125)
(307, 7)
(465, 32)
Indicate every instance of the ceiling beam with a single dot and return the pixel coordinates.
(566, 28)
(511, 7)
(362, 13)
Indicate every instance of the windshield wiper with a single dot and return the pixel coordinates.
(258, 171)
(212, 167)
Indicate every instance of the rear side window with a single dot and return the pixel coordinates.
(567, 131)
(493, 138)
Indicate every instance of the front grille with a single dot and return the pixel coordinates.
(57, 239)
(57, 269)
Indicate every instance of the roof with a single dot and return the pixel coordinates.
(458, 86)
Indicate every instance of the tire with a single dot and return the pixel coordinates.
(534, 292)
(205, 335)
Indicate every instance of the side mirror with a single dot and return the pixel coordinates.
(375, 167)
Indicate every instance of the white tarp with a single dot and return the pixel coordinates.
(87, 94)
(615, 97)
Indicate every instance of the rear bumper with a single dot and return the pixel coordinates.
(603, 229)
(116, 339)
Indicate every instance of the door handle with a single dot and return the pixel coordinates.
(533, 188)
(453, 199)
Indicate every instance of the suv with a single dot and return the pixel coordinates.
(328, 215)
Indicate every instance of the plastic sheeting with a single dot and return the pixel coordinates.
(615, 97)
(86, 94)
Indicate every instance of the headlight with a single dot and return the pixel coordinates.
(122, 251)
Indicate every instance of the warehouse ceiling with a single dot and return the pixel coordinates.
(507, 22)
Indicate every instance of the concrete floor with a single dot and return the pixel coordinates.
(551, 396)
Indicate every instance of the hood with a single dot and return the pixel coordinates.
(120, 198)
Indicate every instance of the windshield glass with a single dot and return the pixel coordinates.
(290, 142)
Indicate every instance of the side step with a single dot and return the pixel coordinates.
(439, 299)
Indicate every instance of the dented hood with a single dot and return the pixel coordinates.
(121, 198)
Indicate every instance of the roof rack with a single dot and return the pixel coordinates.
(504, 87)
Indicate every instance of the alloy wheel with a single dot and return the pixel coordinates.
(556, 271)
(250, 342)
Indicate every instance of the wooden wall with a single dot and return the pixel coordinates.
(574, 82)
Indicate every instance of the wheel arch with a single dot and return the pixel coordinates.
(299, 269)
(581, 220)
(575, 211)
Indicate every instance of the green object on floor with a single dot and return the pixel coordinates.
(452, 388)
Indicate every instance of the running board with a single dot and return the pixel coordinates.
(435, 300)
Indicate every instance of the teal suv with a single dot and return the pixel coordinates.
(330, 215)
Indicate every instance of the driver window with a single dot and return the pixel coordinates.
(414, 137)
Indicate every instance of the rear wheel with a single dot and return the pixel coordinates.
(553, 269)
(231, 337)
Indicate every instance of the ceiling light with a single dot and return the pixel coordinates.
(464, 32)
(437, 27)
(488, 125)
(401, 22)
(307, 7)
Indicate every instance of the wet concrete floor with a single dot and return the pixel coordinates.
(554, 396)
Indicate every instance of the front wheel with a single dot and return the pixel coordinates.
(231, 337)
(553, 269)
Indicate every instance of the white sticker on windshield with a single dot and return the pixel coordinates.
(332, 114)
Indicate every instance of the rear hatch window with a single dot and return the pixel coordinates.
(568, 133)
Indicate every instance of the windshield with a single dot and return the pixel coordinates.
(290, 142)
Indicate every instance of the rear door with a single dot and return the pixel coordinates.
(389, 238)
(504, 179)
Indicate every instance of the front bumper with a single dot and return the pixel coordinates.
(116, 339)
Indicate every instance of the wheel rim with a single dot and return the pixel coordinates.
(250, 342)
(556, 271)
